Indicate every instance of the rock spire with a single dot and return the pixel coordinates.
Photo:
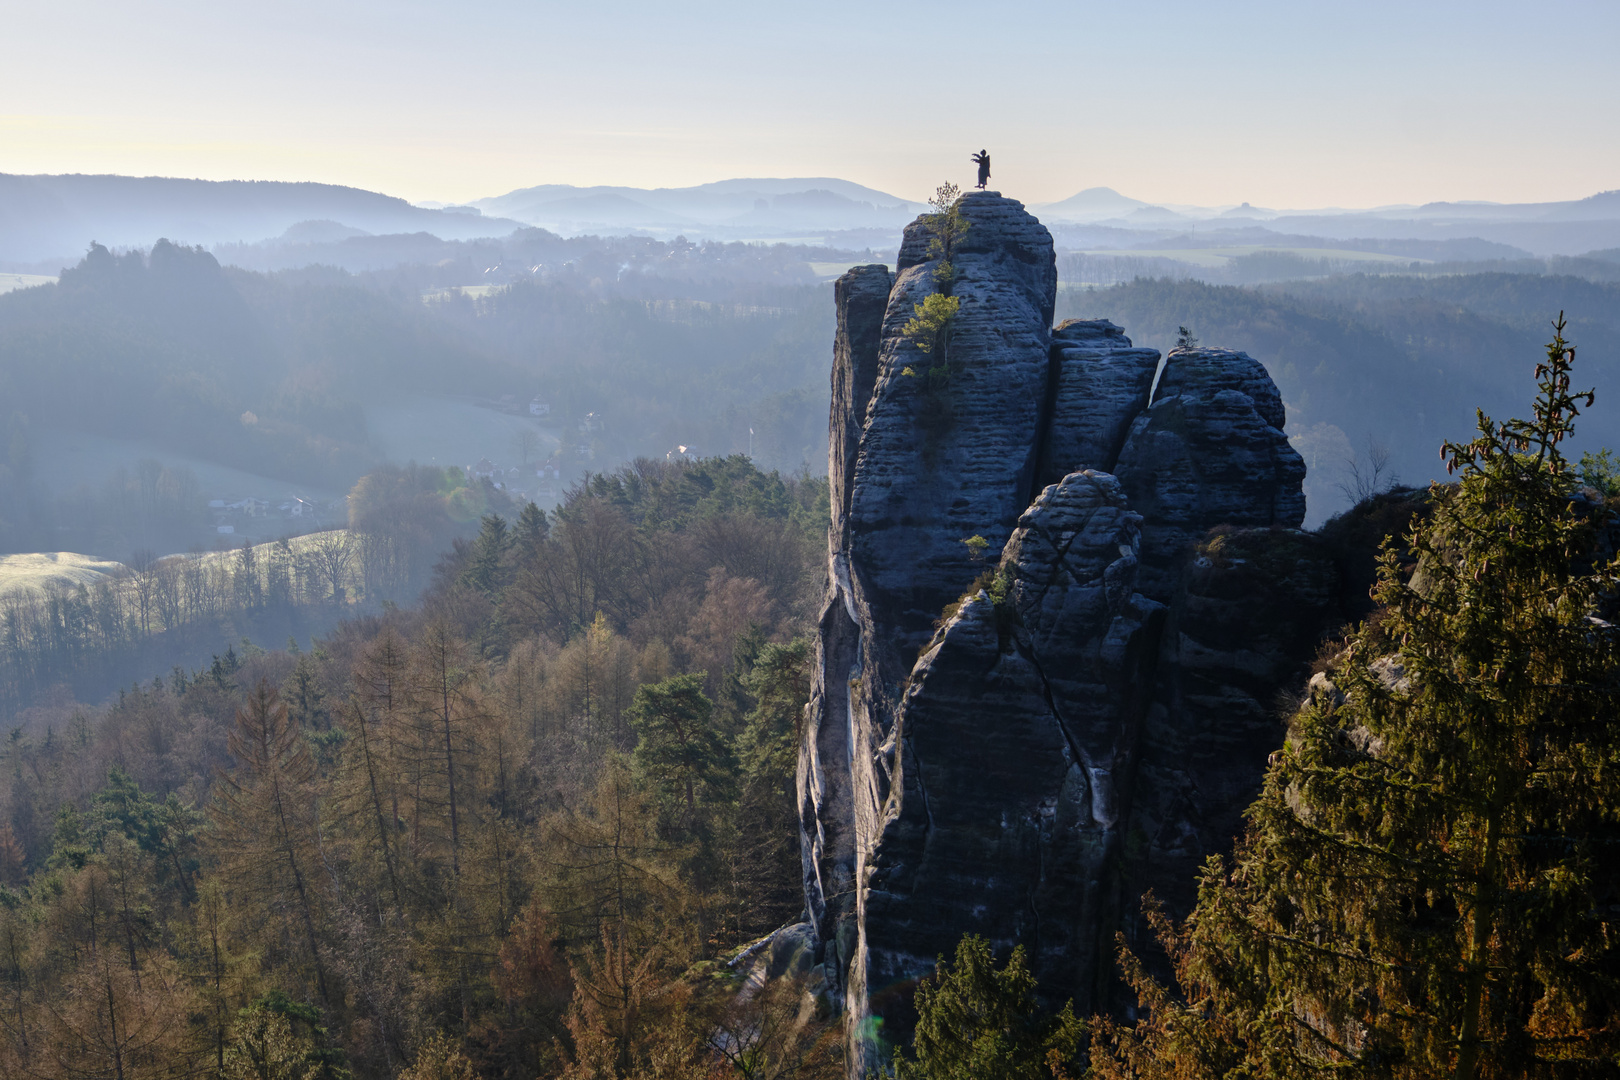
(1017, 742)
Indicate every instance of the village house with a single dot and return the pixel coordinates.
(250, 507)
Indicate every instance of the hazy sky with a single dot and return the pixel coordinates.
(1290, 104)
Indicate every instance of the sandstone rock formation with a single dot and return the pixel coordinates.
(1099, 385)
(1019, 746)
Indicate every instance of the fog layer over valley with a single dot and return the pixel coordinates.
(307, 379)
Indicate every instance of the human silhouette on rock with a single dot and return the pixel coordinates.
(982, 160)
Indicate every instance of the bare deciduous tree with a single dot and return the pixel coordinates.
(144, 565)
(330, 555)
(1370, 479)
(526, 442)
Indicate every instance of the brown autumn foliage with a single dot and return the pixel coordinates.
(427, 846)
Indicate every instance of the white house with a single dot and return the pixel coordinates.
(539, 408)
(250, 507)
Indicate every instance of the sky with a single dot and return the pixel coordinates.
(1290, 105)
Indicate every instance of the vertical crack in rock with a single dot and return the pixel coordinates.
(1023, 767)
(1100, 385)
(860, 297)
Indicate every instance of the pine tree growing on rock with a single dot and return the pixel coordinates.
(1428, 884)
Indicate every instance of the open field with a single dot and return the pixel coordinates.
(67, 459)
(444, 431)
(436, 431)
(34, 571)
(468, 290)
(9, 282)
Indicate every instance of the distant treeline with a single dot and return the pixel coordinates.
(1080, 268)
(152, 506)
(626, 265)
(92, 639)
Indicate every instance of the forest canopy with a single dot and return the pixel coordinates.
(507, 831)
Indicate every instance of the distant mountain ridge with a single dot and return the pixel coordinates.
(47, 221)
(1092, 204)
(1570, 227)
(748, 205)
(48, 217)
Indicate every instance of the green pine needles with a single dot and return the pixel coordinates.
(933, 322)
(946, 227)
(978, 1022)
(1429, 885)
(929, 328)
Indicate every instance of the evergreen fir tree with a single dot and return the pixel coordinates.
(977, 1022)
(681, 749)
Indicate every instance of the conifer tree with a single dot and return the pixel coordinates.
(608, 867)
(1428, 883)
(445, 709)
(370, 793)
(765, 874)
(531, 532)
(681, 749)
(978, 1022)
(364, 799)
(264, 817)
(486, 570)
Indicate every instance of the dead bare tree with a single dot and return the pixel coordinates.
(144, 564)
(1370, 479)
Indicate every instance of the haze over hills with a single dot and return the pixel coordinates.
(1543, 229)
(45, 218)
(619, 310)
(49, 221)
(734, 209)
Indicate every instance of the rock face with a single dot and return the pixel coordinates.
(918, 491)
(1210, 451)
(1012, 729)
(861, 296)
(1018, 747)
(1099, 386)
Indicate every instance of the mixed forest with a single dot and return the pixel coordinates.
(511, 831)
